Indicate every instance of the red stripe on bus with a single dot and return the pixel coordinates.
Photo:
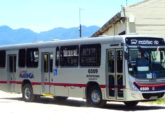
(55, 84)
(36, 83)
(3, 82)
(103, 86)
(158, 85)
(15, 82)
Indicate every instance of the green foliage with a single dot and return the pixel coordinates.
(159, 101)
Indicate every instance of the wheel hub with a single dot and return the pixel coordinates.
(27, 93)
(96, 96)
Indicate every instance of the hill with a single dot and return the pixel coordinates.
(22, 35)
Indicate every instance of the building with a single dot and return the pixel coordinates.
(147, 18)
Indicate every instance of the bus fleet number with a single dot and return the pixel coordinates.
(95, 71)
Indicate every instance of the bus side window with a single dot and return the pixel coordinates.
(22, 58)
(32, 57)
(69, 56)
(57, 56)
(2, 58)
(90, 55)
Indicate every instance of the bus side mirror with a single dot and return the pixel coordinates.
(126, 55)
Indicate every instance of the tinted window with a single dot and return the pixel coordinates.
(90, 55)
(22, 57)
(46, 62)
(69, 56)
(2, 58)
(119, 61)
(57, 56)
(12, 63)
(32, 57)
(51, 62)
(111, 60)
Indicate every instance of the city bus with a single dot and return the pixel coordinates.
(128, 69)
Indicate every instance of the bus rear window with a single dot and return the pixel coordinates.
(90, 55)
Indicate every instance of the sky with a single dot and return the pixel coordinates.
(42, 15)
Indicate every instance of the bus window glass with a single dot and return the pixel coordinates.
(69, 56)
(147, 63)
(57, 56)
(2, 58)
(32, 57)
(111, 61)
(51, 62)
(119, 61)
(14, 63)
(46, 63)
(22, 58)
(11, 63)
(90, 55)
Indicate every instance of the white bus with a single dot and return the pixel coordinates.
(127, 69)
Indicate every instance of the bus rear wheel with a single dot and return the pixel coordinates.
(27, 93)
(94, 97)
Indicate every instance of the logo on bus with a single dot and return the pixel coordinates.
(25, 74)
(144, 42)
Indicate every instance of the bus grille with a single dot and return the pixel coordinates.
(150, 95)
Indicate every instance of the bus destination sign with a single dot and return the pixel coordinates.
(145, 41)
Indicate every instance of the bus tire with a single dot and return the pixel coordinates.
(27, 93)
(94, 97)
(131, 104)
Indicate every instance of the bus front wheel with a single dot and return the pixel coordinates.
(94, 97)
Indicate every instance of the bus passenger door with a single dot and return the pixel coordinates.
(11, 72)
(115, 74)
(47, 73)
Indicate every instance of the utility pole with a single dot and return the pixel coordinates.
(80, 29)
(126, 2)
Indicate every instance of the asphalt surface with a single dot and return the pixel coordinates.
(12, 107)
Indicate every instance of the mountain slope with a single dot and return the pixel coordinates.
(15, 36)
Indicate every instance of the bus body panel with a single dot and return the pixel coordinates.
(47, 78)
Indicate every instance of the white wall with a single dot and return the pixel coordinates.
(147, 18)
(116, 28)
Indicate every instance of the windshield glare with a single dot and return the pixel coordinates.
(147, 63)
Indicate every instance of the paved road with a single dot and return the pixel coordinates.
(12, 107)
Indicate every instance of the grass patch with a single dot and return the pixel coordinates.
(159, 101)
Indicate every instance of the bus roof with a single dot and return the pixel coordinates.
(93, 40)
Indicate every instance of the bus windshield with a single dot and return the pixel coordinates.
(146, 63)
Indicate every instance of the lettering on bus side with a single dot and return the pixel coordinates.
(25, 74)
(93, 74)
